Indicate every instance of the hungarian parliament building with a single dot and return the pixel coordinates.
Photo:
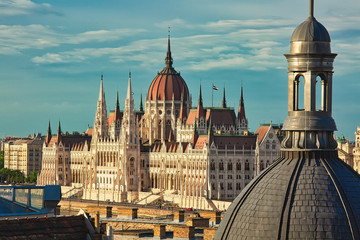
(193, 157)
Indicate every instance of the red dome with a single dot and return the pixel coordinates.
(167, 83)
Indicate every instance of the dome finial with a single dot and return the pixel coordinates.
(168, 59)
(311, 8)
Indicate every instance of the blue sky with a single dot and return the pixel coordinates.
(53, 52)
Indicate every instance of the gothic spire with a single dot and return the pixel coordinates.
(168, 59)
(241, 112)
(101, 92)
(200, 109)
(49, 129)
(59, 129)
(223, 103)
(48, 136)
(117, 106)
(59, 137)
(129, 90)
(141, 108)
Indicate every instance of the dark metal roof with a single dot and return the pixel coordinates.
(310, 30)
(304, 195)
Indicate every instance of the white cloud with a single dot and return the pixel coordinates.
(16, 38)
(257, 44)
(21, 7)
(199, 52)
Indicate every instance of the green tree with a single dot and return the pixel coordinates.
(32, 177)
(11, 176)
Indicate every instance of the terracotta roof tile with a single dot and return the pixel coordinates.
(261, 132)
(201, 142)
(167, 83)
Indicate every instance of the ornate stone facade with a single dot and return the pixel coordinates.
(188, 155)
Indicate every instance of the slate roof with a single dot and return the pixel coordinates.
(218, 116)
(312, 195)
(240, 142)
(310, 30)
(72, 141)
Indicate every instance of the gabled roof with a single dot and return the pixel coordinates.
(218, 116)
(261, 132)
(221, 116)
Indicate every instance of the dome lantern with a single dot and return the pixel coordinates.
(308, 193)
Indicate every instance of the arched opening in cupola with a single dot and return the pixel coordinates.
(298, 94)
(321, 93)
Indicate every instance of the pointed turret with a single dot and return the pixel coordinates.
(100, 122)
(117, 106)
(101, 91)
(48, 136)
(141, 108)
(168, 59)
(223, 103)
(59, 136)
(129, 121)
(241, 112)
(129, 89)
(59, 129)
(200, 113)
(242, 122)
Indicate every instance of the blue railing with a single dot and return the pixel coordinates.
(16, 199)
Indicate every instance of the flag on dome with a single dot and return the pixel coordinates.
(215, 87)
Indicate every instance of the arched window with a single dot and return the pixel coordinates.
(212, 166)
(132, 160)
(321, 92)
(229, 166)
(238, 166)
(247, 165)
(221, 166)
(298, 93)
